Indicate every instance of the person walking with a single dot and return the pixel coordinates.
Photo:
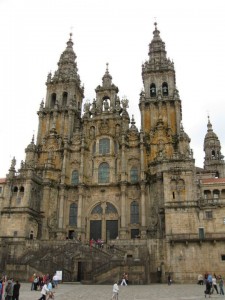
(221, 285)
(115, 295)
(169, 279)
(16, 290)
(44, 291)
(214, 284)
(123, 282)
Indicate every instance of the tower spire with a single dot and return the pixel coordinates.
(67, 66)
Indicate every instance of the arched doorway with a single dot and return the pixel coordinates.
(104, 222)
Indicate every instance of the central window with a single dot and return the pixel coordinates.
(103, 173)
(134, 212)
(104, 146)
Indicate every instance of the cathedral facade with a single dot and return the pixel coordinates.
(91, 173)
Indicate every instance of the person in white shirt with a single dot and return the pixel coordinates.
(55, 280)
(44, 291)
(214, 284)
(115, 295)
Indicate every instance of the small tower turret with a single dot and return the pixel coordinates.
(214, 160)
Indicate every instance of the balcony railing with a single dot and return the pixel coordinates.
(193, 237)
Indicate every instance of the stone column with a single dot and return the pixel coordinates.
(40, 124)
(61, 206)
(79, 209)
(178, 120)
(168, 114)
(44, 207)
(143, 211)
(123, 211)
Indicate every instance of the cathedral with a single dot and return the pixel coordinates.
(92, 174)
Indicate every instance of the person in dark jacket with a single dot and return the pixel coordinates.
(16, 290)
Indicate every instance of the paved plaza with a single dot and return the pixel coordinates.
(77, 291)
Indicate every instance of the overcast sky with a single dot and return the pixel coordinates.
(34, 33)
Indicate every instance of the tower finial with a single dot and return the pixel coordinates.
(107, 67)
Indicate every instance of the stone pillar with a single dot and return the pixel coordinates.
(123, 230)
(44, 208)
(40, 124)
(143, 211)
(178, 120)
(79, 209)
(61, 206)
(168, 114)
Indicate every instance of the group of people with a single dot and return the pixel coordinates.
(212, 282)
(45, 284)
(96, 243)
(9, 289)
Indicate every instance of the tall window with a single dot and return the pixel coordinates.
(103, 173)
(75, 177)
(64, 99)
(53, 100)
(165, 89)
(73, 215)
(201, 233)
(133, 174)
(134, 212)
(104, 146)
(152, 90)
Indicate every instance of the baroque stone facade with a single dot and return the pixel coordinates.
(93, 174)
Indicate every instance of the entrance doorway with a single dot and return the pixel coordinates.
(104, 222)
(112, 229)
(95, 229)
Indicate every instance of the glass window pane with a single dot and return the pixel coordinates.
(104, 146)
(75, 177)
(134, 174)
(134, 213)
(103, 173)
(73, 215)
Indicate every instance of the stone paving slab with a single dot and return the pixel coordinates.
(78, 291)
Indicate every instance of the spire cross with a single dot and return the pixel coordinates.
(71, 29)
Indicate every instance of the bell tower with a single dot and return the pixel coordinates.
(61, 112)
(160, 104)
(214, 160)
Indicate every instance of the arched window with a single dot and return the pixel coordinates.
(53, 100)
(165, 89)
(133, 174)
(15, 189)
(216, 194)
(110, 208)
(75, 177)
(22, 189)
(64, 99)
(104, 146)
(103, 173)
(152, 90)
(73, 215)
(207, 194)
(134, 212)
(97, 210)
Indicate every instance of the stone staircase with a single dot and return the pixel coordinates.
(47, 258)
